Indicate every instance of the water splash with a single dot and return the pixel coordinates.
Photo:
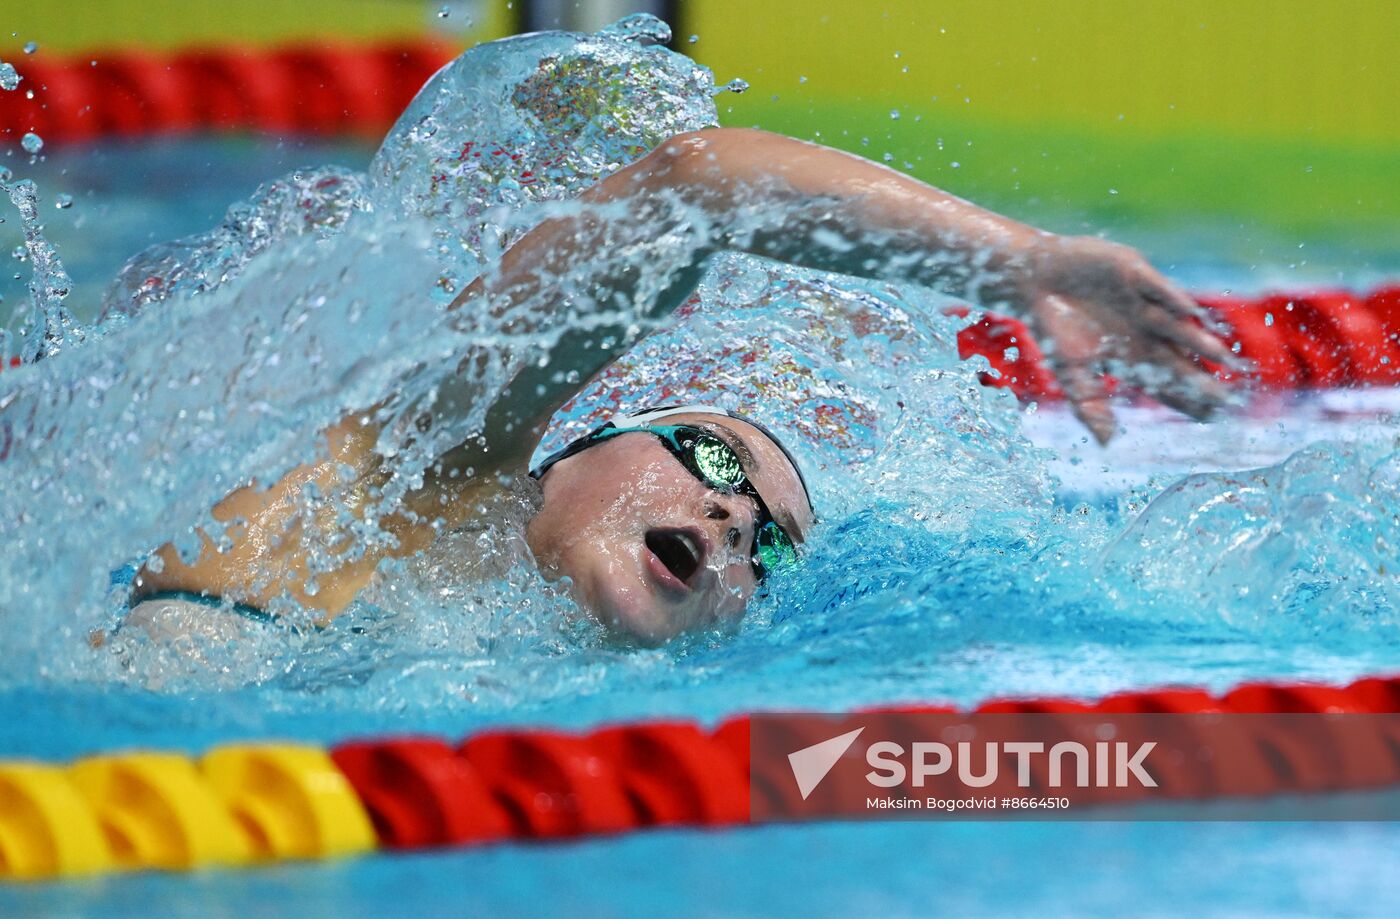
(48, 328)
(315, 203)
(531, 119)
(311, 299)
(946, 560)
(1305, 547)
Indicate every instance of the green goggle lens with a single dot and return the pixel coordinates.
(774, 549)
(717, 462)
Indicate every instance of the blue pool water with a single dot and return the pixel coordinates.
(896, 869)
(970, 548)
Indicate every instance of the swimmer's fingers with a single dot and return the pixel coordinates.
(1185, 334)
(1194, 339)
(1172, 315)
(1088, 398)
(1174, 379)
(1155, 288)
(1075, 359)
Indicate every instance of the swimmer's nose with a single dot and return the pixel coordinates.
(729, 519)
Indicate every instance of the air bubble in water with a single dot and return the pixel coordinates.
(30, 47)
(894, 114)
(737, 85)
(444, 12)
(693, 39)
(9, 77)
(32, 143)
(63, 202)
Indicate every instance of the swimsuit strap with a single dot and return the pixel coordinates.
(247, 611)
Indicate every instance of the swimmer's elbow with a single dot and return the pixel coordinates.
(701, 157)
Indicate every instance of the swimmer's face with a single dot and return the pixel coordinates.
(650, 550)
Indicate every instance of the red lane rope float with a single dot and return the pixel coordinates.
(544, 784)
(1305, 340)
(323, 89)
(246, 803)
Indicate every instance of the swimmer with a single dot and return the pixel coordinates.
(667, 520)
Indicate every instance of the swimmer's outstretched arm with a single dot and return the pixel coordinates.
(1091, 302)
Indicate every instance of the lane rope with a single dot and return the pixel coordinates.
(245, 804)
(326, 90)
(1301, 340)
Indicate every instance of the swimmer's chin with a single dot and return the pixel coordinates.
(628, 615)
(614, 590)
(630, 618)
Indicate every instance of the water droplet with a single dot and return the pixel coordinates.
(63, 202)
(955, 164)
(444, 12)
(1113, 191)
(888, 157)
(1268, 319)
(894, 114)
(737, 85)
(30, 47)
(693, 39)
(802, 79)
(642, 28)
(32, 143)
(9, 77)
(19, 254)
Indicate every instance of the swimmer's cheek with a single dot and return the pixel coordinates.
(630, 616)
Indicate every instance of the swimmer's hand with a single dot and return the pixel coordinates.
(1097, 306)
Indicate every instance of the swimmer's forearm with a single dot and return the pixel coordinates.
(821, 208)
(751, 191)
(785, 199)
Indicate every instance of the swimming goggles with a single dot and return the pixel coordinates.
(717, 466)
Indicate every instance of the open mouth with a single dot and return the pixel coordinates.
(679, 550)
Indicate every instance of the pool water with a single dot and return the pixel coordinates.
(894, 869)
(971, 547)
